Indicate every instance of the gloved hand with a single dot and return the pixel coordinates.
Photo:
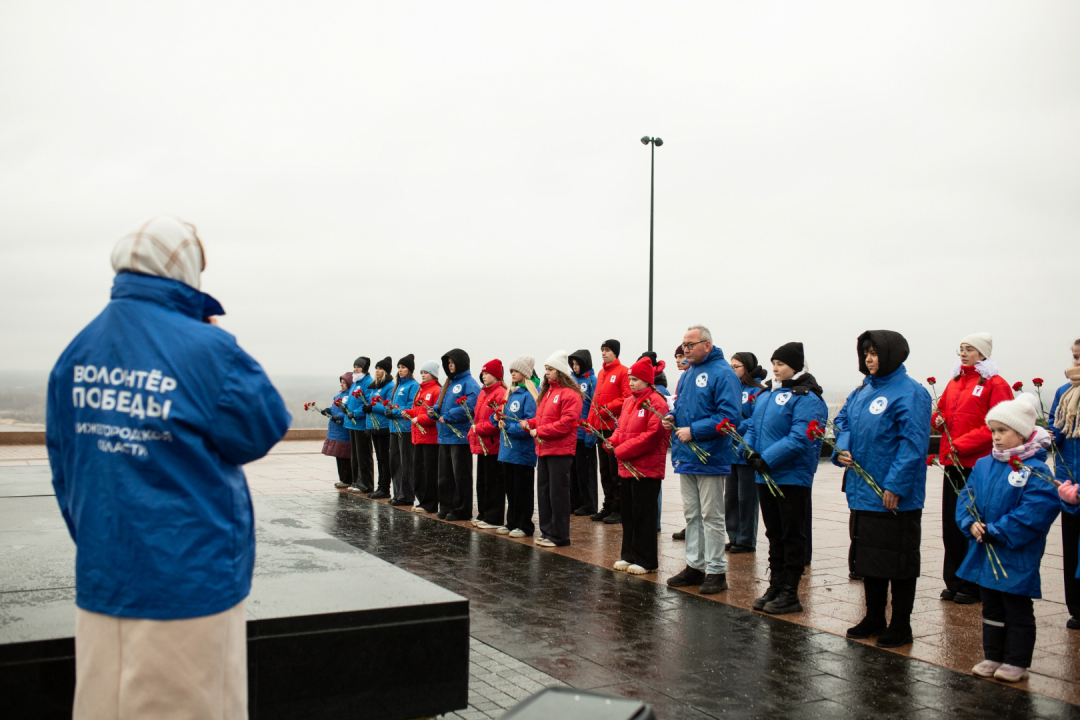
(367, 409)
(759, 465)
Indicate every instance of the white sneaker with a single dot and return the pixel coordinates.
(621, 565)
(504, 531)
(517, 533)
(638, 570)
(986, 668)
(544, 542)
(485, 525)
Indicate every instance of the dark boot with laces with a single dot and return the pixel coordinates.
(786, 602)
(769, 596)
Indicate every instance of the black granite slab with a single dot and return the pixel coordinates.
(332, 631)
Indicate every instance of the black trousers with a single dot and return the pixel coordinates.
(785, 528)
(344, 470)
(609, 477)
(456, 480)
(583, 479)
(553, 497)
(491, 501)
(1008, 627)
(401, 466)
(741, 506)
(903, 600)
(380, 439)
(809, 527)
(426, 476)
(1070, 537)
(363, 469)
(956, 543)
(519, 497)
(639, 513)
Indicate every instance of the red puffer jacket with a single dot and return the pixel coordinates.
(483, 431)
(557, 415)
(641, 438)
(612, 388)
(963, 406)
(429, 395)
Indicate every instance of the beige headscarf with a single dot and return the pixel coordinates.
(1065, 417)
(164, 246)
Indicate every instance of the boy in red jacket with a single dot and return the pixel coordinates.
(612, 388)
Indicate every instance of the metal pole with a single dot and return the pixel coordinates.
(652, 192)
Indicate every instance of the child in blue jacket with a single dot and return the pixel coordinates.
(1015, 507)
(519, 456)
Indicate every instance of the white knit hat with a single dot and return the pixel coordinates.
(524, 364)
(983, 342)
(431, 366)
(560, 362)
(163, 246)
(1019, 414)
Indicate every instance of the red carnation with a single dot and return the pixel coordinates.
(752, 399)
(1016, 463)
(337, 403)
(462, 400)
(357, 393)
(1017, 386)
(814, 430)
(725, 426)
(1037, 382)
(932, 380)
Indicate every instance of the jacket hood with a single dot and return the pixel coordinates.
(803, 384)
(170, 294)
(892, 351)
(660, 379)
(461, 362)
(584, 358)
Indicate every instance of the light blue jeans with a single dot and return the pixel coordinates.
(703, 508)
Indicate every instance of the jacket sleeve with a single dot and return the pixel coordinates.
(795, 442)
(843, 428)
(980, 439)
(456, 414)
(250, 417)
(725, 401)
(55, 446)
(379, 408)
(1059, 434)
(615, 406)
(563, 425)
(642, 443)
(484, 426)
(963, 517)
(913, 437)
(750, 436)
(1031, 518)
(528, 412)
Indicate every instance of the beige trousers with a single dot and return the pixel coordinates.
(128, 669)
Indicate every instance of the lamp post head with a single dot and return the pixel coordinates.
(646, 140)
(658, 142)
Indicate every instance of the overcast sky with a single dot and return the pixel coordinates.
(392, 178)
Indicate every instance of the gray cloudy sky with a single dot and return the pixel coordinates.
(387, 178)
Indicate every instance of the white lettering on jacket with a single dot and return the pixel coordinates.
(135, 404)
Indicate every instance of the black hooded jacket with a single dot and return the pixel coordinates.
(803, 385)
(584, 358)
(892, 350)
(461, 362)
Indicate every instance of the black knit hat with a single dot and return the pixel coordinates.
(409, 362)
(363, 362)
(385, 364)
(614, 345)
(791, 354)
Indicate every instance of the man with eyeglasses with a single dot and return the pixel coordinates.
(708, 393)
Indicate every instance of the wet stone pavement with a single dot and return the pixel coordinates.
(687, 656)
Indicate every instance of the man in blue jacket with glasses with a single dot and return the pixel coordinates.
(152, 411)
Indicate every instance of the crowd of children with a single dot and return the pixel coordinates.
(541, 440)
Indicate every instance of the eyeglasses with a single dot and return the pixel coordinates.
(690, 346)
(965, 349)
(736, 367)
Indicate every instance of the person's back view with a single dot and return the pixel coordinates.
(151, 413)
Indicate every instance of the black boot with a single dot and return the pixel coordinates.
(769, 596)
(689, 576)
(680, 535)
(877, 596)
(903, 602)
(786, 602)
(868, 627)
(713, 584)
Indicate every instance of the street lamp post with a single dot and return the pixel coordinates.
(655, 142)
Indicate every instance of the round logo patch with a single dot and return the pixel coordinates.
(515, 406)
(584, 387)
(702, 380)
(1019, 479)
(782, 399)
(745, 397)
(456, 388)
(878, 406)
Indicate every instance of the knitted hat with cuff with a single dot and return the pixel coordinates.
(409, 362)
(983, 342)
(385, 364)
(791, 354)
(524, 364)
(493, 368)
(560, 361)
(613, 345)
(431, 366)
(643, 370)
(1018, 414)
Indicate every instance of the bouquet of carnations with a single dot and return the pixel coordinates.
(374, 420)
(700, 452)
(312, 407)
(435, 413)
(500, 416)
(463, 401)
(728, 428)
(397, 408)
(637, 474)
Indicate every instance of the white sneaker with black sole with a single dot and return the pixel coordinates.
(517, 533)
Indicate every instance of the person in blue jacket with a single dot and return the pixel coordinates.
(708, 392)
(363, 466)
(740, 491)
(782, 449)
(1067, 469)
(455, 455)
(583, 472)
(337, 443)
(152, 412)
(401, 444)
(884, 426)
(519, 457)
(1015, 507)
(376, 395)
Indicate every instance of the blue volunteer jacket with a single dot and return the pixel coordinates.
(519, 404)
(587, 383)
(461, 384)
(742, 424)
(777, 432)
(403, 397)
(885, 426)
(1067, 463)
(356, 405)
(151, 413)
(1018, 509)
(378, 412)
(334, 431)
(706, 394)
